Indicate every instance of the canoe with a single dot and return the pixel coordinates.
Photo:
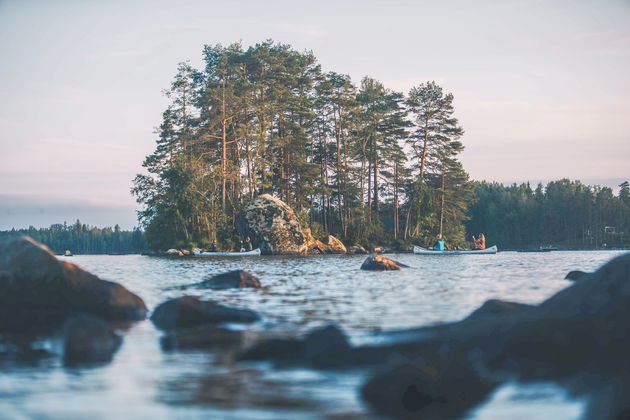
(423, 251)
(200, 253)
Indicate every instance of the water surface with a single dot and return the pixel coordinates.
(144, 381)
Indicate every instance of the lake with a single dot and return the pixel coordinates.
(145, 381)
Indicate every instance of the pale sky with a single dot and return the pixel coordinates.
(542, 88)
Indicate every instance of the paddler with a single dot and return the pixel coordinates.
(480, 243)
(439, 244)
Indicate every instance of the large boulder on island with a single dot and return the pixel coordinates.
(39, 291)
(190, 311)
(273, 227)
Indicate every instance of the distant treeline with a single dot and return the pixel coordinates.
(564, 213)
(84, 239)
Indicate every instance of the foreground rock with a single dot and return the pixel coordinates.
(190, 311)
(39, 291)
(232, 279)
(89, 340)
(379, 263)
(323, 347)
(207, 337)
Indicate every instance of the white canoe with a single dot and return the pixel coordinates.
(423, 251)
(200, 253)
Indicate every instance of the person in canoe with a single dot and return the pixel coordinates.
(213, 247)
(439, 244)
(248, 244)
(480, 242)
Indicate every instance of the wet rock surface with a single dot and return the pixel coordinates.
(190, 311)
(39, 291)
(232, 279)
(89, 340)
(379, 263)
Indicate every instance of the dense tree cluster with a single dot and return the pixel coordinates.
(362, 162)
(84, 239)
(564, 213)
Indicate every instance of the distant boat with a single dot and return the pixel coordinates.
(547, 248)
(68, 253)
(200, 253)
(423, 251)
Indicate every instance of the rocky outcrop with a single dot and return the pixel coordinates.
(335, 245)
(576, 275)
(39, 291)
(273, 227)
(378, 263)
(357, 249)
(232, 279)
(190, 311)
(88, 340)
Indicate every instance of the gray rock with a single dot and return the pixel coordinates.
(88, 340)
(576, 275)
(39, 291)
(190, 311)
(272, 226)
(232, 279)
(379, 263)
(207, 337)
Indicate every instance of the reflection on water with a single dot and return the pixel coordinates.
(150, 379)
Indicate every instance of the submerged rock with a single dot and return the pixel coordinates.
(232, 279)
(323, 347)
(88, 340)
(378, 263)
(205, 337)
(190, 311)
(576, 275)
(39, 291)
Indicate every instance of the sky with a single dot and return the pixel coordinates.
(541, 87)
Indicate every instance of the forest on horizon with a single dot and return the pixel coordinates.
(362, 162)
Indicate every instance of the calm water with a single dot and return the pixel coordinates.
(144, 381)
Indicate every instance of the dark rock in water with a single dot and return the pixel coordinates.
(379, 263)
(39, 291)
(495, 307)
(326, 347)
(432, 391)
(190, 311)
(282, 349)
(205, 337)
(322, 347)
(576, 275)
(88, 340)
(232, 279)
